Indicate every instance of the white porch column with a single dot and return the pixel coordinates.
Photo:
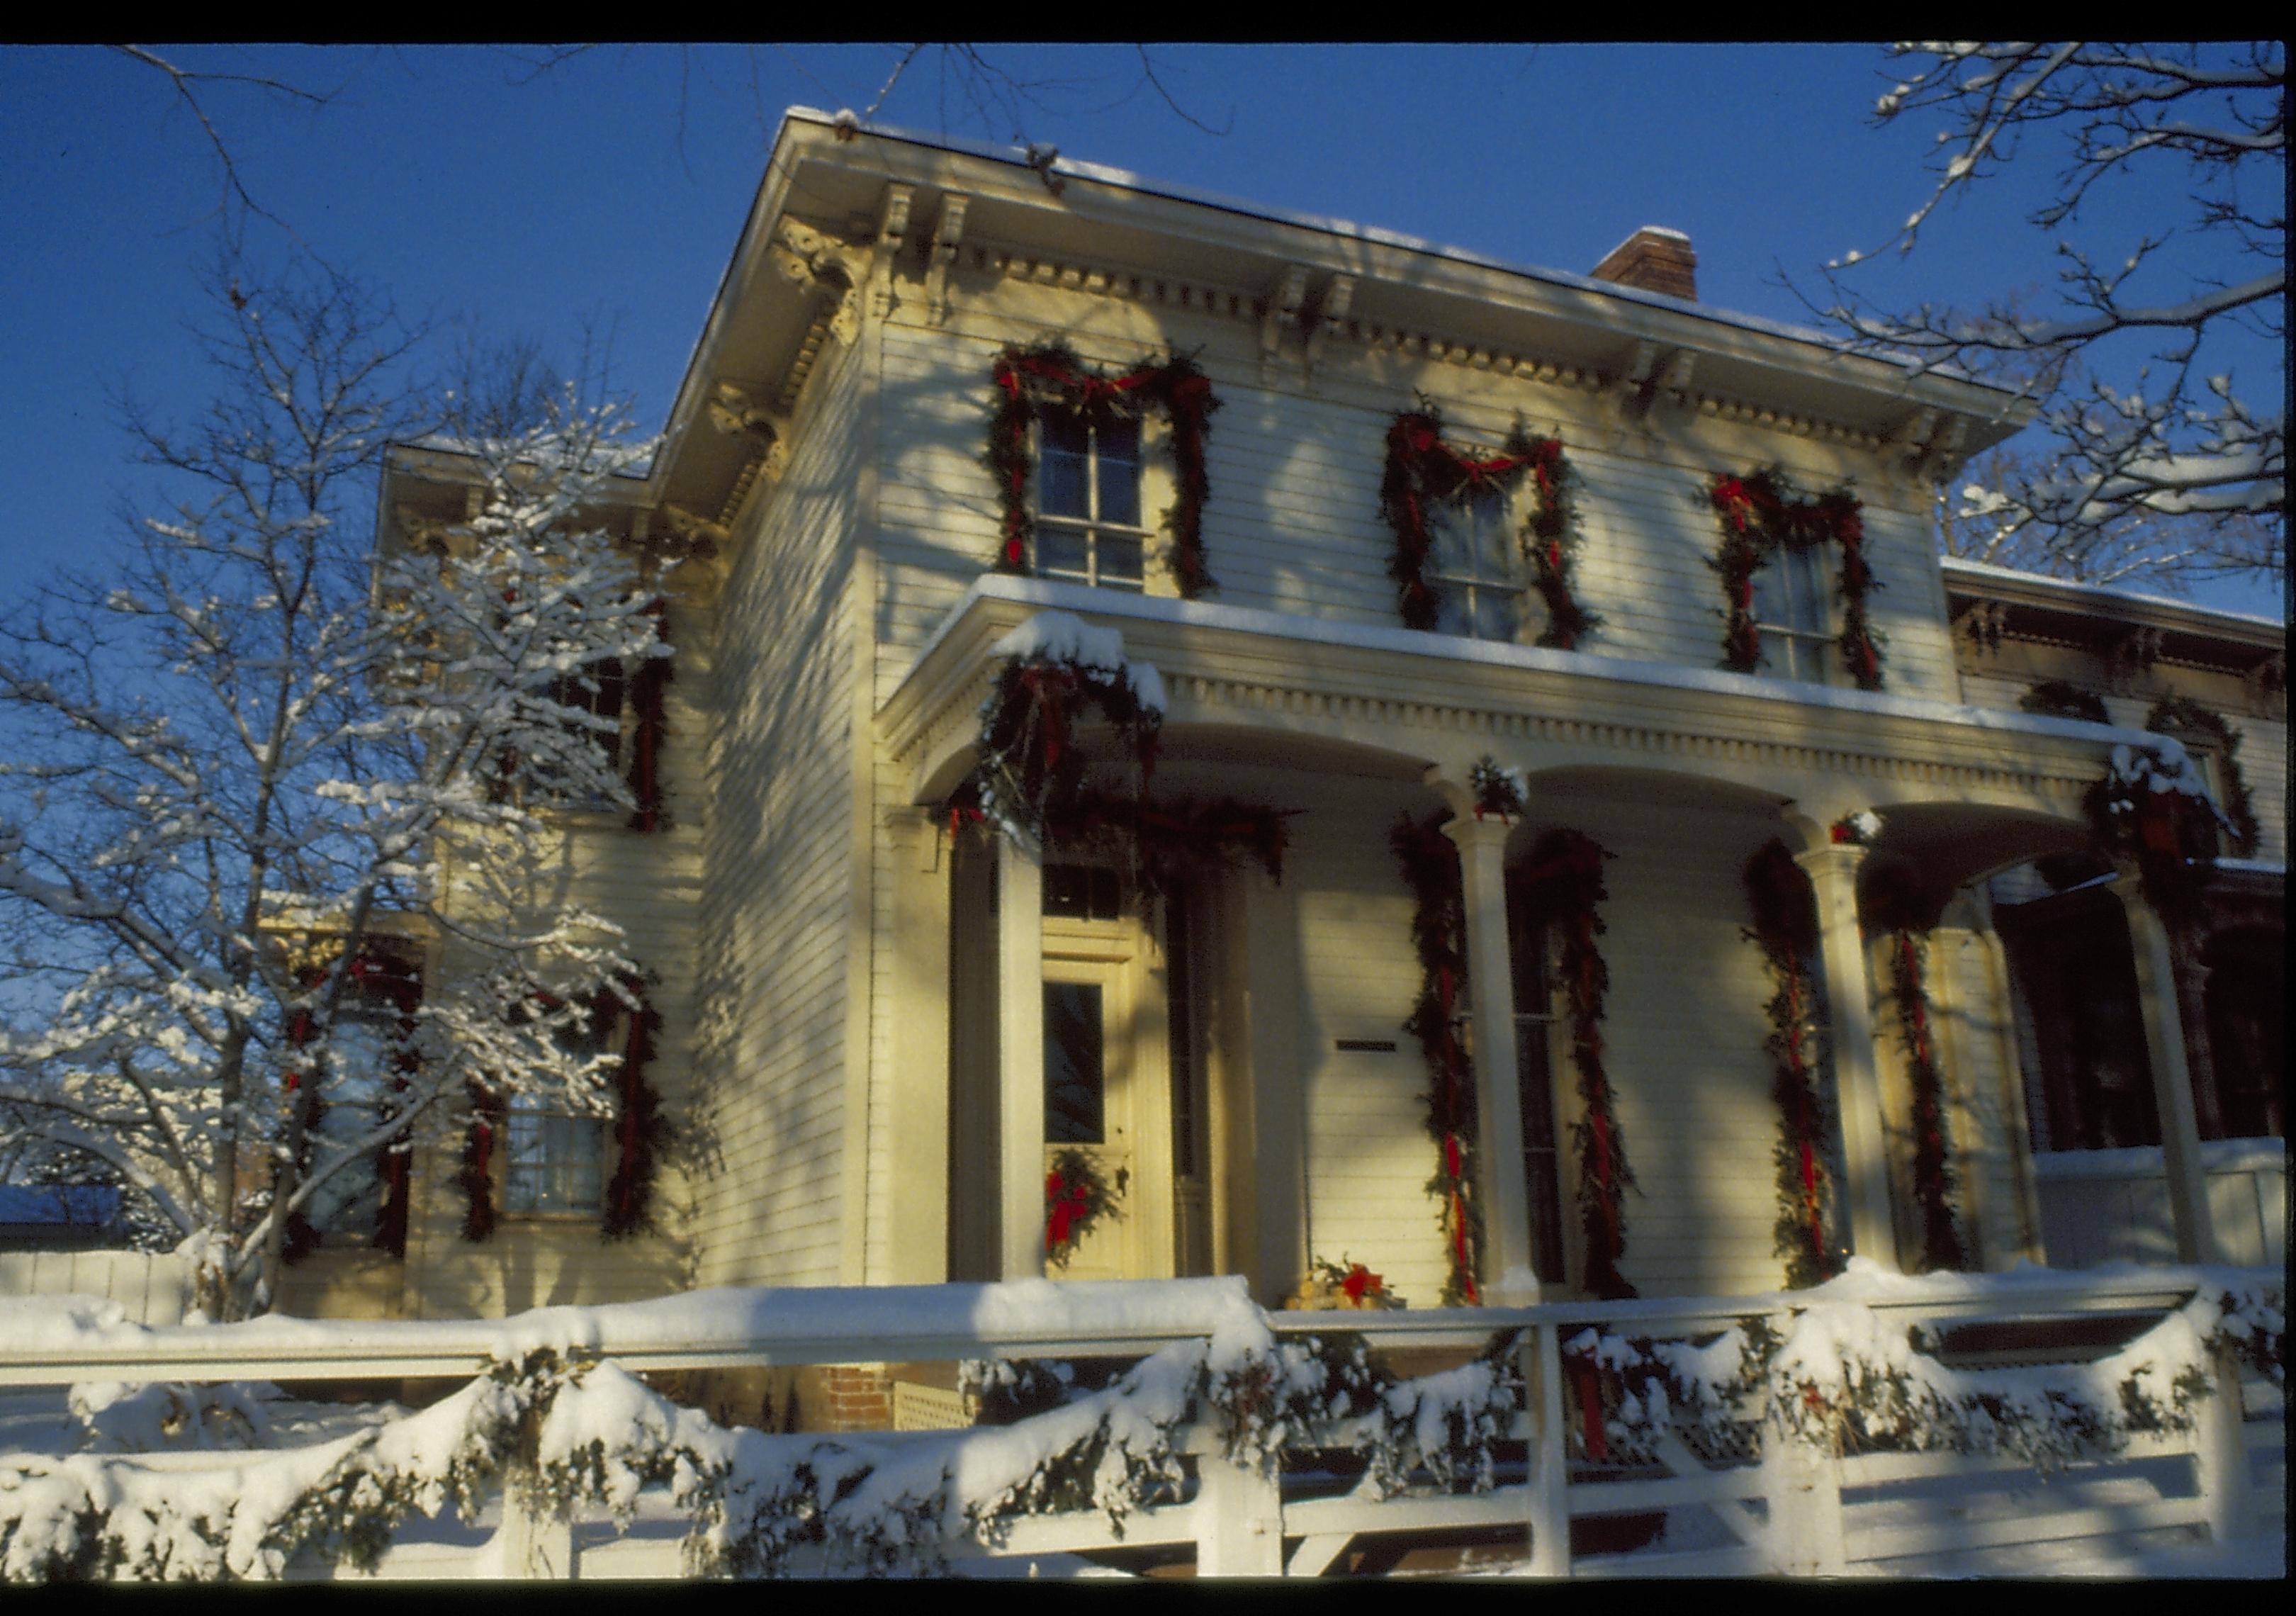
(2172, 1082)
(1020, 1062)
(1832, 872)
(1498, 1098)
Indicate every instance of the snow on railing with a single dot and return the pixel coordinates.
(1187, 1444)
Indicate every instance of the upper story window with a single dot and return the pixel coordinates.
(1792, 609)
(1476, 566)
(554, 1156)
(361, 1062)
(1088, 527)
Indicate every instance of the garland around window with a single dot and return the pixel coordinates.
(1050, 375)
(1760, 514)
(1424, 472)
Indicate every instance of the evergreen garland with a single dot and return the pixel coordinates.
(1050, 375)
(1029, 772)
(2055, 699)
(1076, 1197)
(1564, 882)
(1424, 472)
(1785, 930)
(648, 687)
(640, 1129)
(1898, 910)
(1438, 932)
(1760, 514)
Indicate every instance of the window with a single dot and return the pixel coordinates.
(553, 1156)
(1530, 943)
(1088, 528)
(361, 1064)
(1477, 568)
(597, 690)
(1791, 610)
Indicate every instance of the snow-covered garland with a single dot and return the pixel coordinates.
(1029, 775)
(640, 1128)
(1785, 930)
(1050, 375)
(1438, 932)
(564, 1434)
(1897, 908)
(2152, 809)
(2176, 715)
(1076, 1197)
(1564, 882)
(648, 687)
(1843, 1377)
(1424, 472)
(1761, 514)
(379, 976)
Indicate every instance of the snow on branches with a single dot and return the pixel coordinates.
(2154, 462)
(237, 769)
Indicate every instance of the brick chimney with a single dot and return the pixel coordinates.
(1655, 260)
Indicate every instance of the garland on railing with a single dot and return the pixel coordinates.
(1076, 1197)
(648, 687)
(1760, 514)
(1785, 930)
(1438, 932)
(1424, 472)
(1564, 882)
(2178, 717)
(1897, 908)
(1050, 375)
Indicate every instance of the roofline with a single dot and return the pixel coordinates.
(1126, 180)
(2039, 589)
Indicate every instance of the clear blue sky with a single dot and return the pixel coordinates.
(612, 186)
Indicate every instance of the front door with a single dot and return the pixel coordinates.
(1107, 1072)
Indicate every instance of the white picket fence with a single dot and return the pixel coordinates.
(1790, 1511)
(151, 1288)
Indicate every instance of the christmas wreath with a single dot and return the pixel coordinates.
(1424, 472)
(1564, 882)
(1897, 908)
(1430, 870)
(2154, 811)
(1076, 1199)
(1785, 930)
(2185, 720)
(1760, 514)
(1050, 376)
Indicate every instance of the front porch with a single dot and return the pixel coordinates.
(1286, 1049)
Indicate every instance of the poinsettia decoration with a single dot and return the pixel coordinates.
(1424, 472)
(1439, 930)
(1761, 514)
(1050, 376)
(1861, 829)
(1785, 930)
(1564, 882)
(1896, 908)
(1076, 1197)
(1345, 1286)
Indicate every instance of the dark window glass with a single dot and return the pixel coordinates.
(1076, 1073)
(1082, 891)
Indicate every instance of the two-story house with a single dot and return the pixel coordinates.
(1567, 840)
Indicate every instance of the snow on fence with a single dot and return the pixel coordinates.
(1869, 1422)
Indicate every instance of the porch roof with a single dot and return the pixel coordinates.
(1442, 700)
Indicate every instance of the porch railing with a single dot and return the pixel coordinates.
(1767, 1507)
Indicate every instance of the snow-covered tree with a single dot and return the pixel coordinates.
(268, 798)
(2156, 461)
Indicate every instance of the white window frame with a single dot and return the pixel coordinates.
(1459, 591)
(1806, 652)
(1090, 527)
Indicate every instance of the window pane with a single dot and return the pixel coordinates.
(357, 1079)
(1494, 542)
(1455, 610)
(1119, 443)
(1066, 434)
(1120, 560)
(1496, 611)
(1061, 552)
(555, 1161)
(1076, 1076)
(1805, 571)
(1060, 486)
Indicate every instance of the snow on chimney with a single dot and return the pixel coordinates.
(1654, 258)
